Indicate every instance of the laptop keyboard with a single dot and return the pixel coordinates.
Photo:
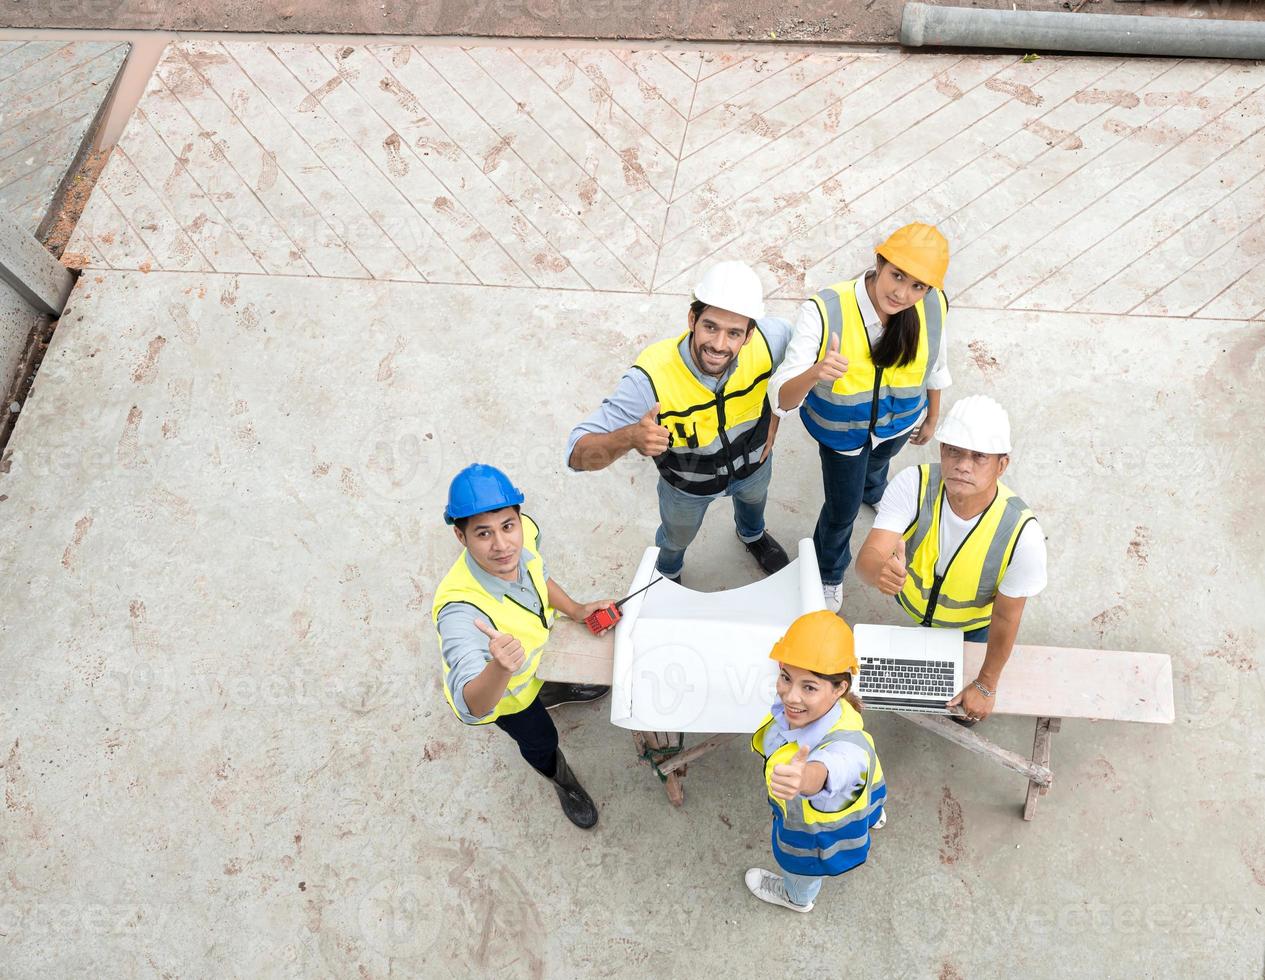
(920, 678)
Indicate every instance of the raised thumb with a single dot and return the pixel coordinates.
(900, 550)
(653, 414)
(833, 346)
(485, 629)
(802, 755)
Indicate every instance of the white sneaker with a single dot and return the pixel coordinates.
(833, 594)
(882, 819)
(768, 887)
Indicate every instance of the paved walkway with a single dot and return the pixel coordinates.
(1094, 185)
(320, 279)
(50, 95)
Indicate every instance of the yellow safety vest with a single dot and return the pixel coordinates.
(867, 399)
(963, 598)
(460, 585)
(716, 436)
(808, 841)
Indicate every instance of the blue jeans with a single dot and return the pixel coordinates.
(681, 515)
(800, 889)
(977, 636)
(848, 481)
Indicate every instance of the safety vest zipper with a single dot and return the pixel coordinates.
(938, 580)
(720, 424)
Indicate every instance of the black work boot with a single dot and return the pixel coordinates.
(770, 554)
(553, 693)
(576, 804)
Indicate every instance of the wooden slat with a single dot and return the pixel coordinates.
(1063, 682)
(1040, 755)
(1040, 682)
(967, 738)
(576, 656)
(686, 756)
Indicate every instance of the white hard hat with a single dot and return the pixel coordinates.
(732, 286)
(976, 423)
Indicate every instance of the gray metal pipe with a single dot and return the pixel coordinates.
(1038, 30)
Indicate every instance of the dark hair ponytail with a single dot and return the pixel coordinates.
(898, 343)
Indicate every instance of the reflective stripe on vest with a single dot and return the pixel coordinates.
(506, 615)
(867, 399)
(716, 437)
(808, 841)
(963, 598)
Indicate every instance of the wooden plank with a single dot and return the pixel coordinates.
(576, 656)
(1064, 682)
(686, 756)
(965, 737)
(1042, 682)
(1041, 756)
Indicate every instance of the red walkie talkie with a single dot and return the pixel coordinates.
(604, 619)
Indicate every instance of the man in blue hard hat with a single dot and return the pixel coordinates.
(696, 404)
(494, 610)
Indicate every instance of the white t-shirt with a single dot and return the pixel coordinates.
(1025, 576)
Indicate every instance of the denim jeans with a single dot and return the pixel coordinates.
(848, 481)
(681, 515)
(800, 889)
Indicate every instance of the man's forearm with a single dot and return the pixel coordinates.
(482, 693)
(1001, 643)
(562, 602)
(597, 450)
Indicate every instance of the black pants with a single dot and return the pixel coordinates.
(536, 735)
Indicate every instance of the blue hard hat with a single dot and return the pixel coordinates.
(477, 489)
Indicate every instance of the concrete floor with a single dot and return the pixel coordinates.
(225, 751)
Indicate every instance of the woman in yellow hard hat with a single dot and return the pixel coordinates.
(865, 367)
(824, 780)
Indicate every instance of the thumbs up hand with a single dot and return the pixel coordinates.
(891, 577)
(506, 651)
(833, 365)
(788, 777)
(649, 437)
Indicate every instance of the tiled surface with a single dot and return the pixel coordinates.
(1080, 184)
(50, 92)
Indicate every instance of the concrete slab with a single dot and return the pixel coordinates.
(224, 746)
(51, 93)
(1081, 184)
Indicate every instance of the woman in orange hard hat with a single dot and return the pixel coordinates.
(865, 367)
(824, 780)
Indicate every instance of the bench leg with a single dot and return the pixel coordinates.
(1046, 727)
(658, 747)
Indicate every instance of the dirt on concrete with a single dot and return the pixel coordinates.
(74, 199)
(855, 21)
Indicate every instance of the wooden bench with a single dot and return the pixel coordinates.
(1044, 683)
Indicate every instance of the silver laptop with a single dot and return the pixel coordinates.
(908, 668)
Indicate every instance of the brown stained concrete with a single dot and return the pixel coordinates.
(857, 22)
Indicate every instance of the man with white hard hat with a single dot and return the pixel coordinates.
(957, 548)
(695, 403)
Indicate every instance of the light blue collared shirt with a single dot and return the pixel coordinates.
(464, 649)
(846, 764)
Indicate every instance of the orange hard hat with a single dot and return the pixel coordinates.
(919, 250)
(818, 641)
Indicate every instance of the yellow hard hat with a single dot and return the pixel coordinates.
(818, 641)
(919, 250)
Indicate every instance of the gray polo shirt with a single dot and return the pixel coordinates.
(464, 649)
(634, 396)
